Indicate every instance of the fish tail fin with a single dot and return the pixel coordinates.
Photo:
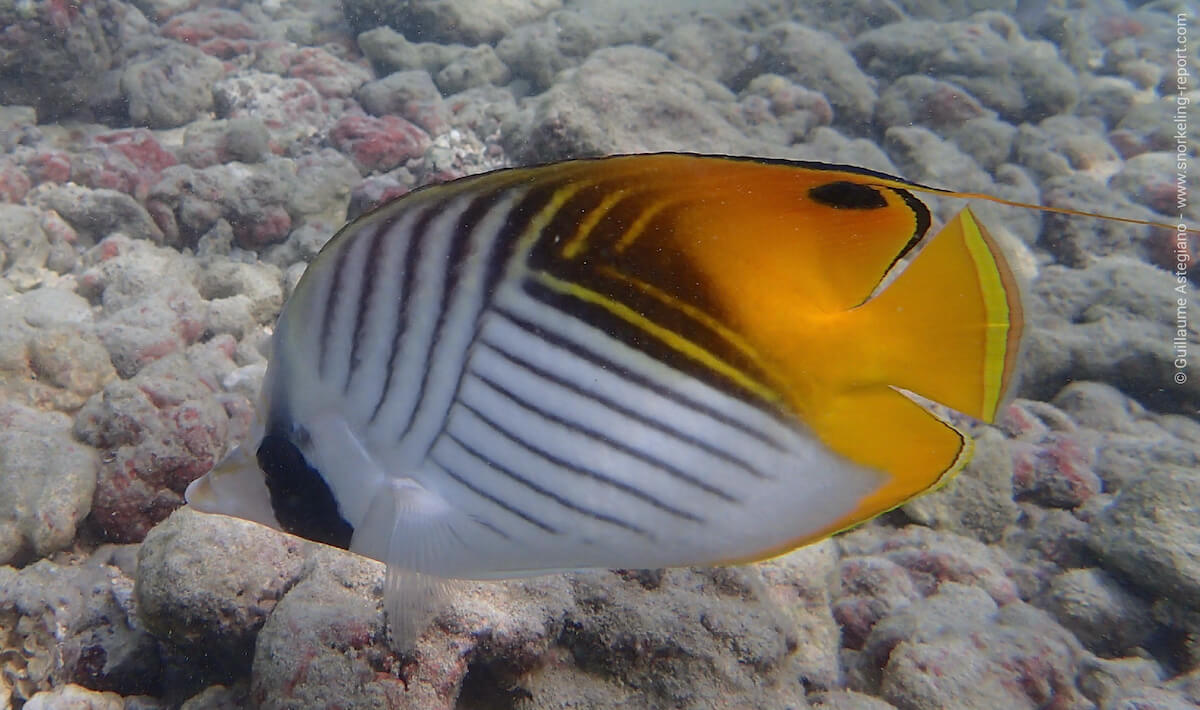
(946, 329)
(956, 316)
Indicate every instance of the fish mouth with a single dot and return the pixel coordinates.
(199, 494)
(234, 487)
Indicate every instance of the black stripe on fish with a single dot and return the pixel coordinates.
(545, 413)
(462, 237)
(607, 363)
(465, 482)
(581, 471)
(412, 257)
(374, 257)
(331, 301)
(622, 409)
(628, 333)
(490, 463)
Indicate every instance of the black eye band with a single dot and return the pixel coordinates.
(303, 503)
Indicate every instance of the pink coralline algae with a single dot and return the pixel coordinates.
(158, 432)
(50, 166)
(270, 226)
(219, 33)
(1055, 472)
(378, 144)
(14, 183)
(129, 161)
(332, 77)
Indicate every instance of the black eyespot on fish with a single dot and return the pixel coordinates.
(303, 503)
(845, 195)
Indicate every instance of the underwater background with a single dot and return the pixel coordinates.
(169, 167)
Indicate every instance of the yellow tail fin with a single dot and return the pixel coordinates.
(948, 329)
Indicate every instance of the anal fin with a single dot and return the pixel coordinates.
(409, 528)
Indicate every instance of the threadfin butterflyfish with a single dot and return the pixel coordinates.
(635, 361)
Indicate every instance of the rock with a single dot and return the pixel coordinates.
(18, 124)
(1142, 178)
(709, 46)
(96, 214)
(120, 272)
(171, 86)
(50, 357)
(849, 700)
(330, 76)
(291, 109)
(1101, 406)
(214, 31)
(14, 182)
(871, 589)
(73, 624)
(590, 110)
(800, 583)
(955, 609)
(653, 639)
(411, 95)
(464, 21)
(126, 160)
(74, 697)
(46, 483)
(320, 191)
(55, 55)
(1145, 130)
(1050, 538)
(483, 110)
(389, 51)
(782, 111)
(1109, 322)
(538, 51)
(208, 143)
(1108, 98)
(925, 157)
(1055, 472)
(956, 649)
(1146, 533)
(1081, 141)
(979, 500)
(158, 324)
(699, 638)
(160, 430)
(378, 144)
(70, 359)
(1103, 680)
(1076, 244)
(24, 247)
(207, 583)
(259, 283)
(686, 638)
(922, 100)
(479, 66)
(988, 140)
(883, 571)
(256, 200)
(219, 697)
(818, 61)
(932, 558)
(1097, 608)
(1022, 80)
